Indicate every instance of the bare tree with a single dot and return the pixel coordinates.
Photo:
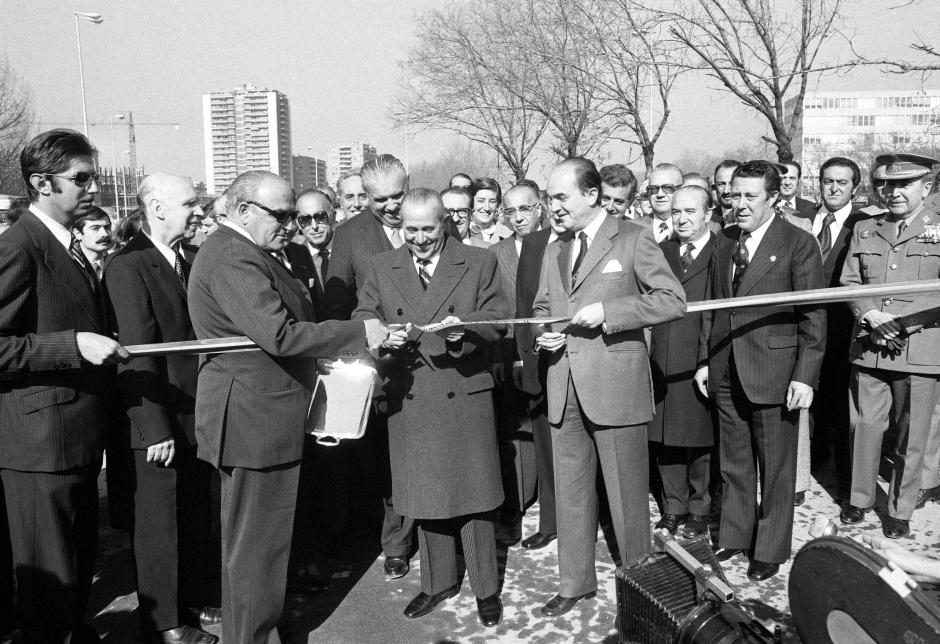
(467, 157)
(762, 51)
(446, 84)
(637, 67)
(16, 114)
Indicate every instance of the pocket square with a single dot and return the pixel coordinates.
(311, 283)
(613, 266)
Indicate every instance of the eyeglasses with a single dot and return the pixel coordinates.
(282, 216)
(525, 211)
(668, 188)
(461, 213)
(321, 218)
(81, 179)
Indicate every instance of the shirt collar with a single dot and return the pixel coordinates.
(62, 234)
(841, 214)
(698, 244)
(758, 234)
(591, 229)
(165, 250)
(240, 231)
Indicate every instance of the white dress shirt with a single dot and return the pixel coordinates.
(430, 267)
(168, 253)
(841, 215)
(697, 246)
(659, 234)
(753, 242)
(590, 231)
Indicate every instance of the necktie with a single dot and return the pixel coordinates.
(97, 267)
(582, 251)
(396, 239)
(322, 262)
(663, 230)
(902, 226)
(75, 250)
(825, 235)
(740, 258)
(686, 258)
(423, 274)
(281, 257)
(178, 268)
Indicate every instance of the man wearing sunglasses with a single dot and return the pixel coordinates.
(55, 348)
(251, 406)
(310, 259)
(664, 180)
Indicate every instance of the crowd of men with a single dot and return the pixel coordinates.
(710, 411)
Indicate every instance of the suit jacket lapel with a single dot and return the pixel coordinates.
(764, 257)
(405, 278)
(450, 269)
(671, 253)
(159, 263)
(599, 247)
(373, 229)
(61, 264)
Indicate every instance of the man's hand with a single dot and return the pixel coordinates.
(883, 325)
(701, 381)
(454, 333)
(517, 376)
(376, 334)
(99, 349)
(799, 396)
(397, 336)
(551, 341)
(162, 453)
(590, 316)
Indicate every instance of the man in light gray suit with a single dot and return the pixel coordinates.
(611, 279)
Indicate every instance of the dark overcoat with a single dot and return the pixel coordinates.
(682, 417)
(441, 426)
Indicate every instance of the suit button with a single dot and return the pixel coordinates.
(409, 396)
(400, 312)
(566, 353)
(895, 250)
(451, 309)
(451, 394)
(893, 266)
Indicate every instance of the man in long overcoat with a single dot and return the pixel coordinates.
(441, 426)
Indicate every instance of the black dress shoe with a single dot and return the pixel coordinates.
(185, 635)
(396, 567)
(670, 522)
(761, 570)
(896, 528)
(930, 494)
(490, 610)
(695, 526)
(559, 605)
(724, 554)
(207, 615)
(424, 603)
(537, 540)
(798, 499)
(852, 514)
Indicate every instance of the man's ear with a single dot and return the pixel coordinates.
(156, 207)
(41, 183)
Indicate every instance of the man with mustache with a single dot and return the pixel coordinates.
(722, 212)
(55, 343)
(93, 231)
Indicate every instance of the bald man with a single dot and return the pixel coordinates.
(146, 282)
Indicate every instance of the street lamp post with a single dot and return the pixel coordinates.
(114, 181)
(96, 18)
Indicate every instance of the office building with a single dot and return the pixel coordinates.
(245, 129)
(344, 158)
(309, 173)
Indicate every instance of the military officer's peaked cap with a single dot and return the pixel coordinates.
(902, 166)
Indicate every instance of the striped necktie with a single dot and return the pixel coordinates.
(423, 273)
(396, 239)
(825, 234)
(178, 268)
(741, 258)
(686, 258)
(75, 250)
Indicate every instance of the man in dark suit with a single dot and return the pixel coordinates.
(839, 179)
(790, 190)
(762, 366)
(146, 282)
(663, 182)
(722, 212)
(522, 210)
(54, 345)
(681, 433)
(441, 425)
(530, 379)
(310, 260)
(354, 245)
(612, 282)
(251, 406)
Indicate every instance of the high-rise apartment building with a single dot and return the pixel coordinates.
(245, 129)
(344, 158)
(861, 125)
(309, 172)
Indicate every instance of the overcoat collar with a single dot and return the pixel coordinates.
(447, 275)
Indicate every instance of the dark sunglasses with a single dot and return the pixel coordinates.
(282, 216)
(667, 188)
(81, 179)
(322, 219)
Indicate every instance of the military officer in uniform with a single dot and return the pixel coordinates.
(891, 383)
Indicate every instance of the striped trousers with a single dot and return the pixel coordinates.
(437, 543)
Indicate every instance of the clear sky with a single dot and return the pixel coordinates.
(336, 60)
